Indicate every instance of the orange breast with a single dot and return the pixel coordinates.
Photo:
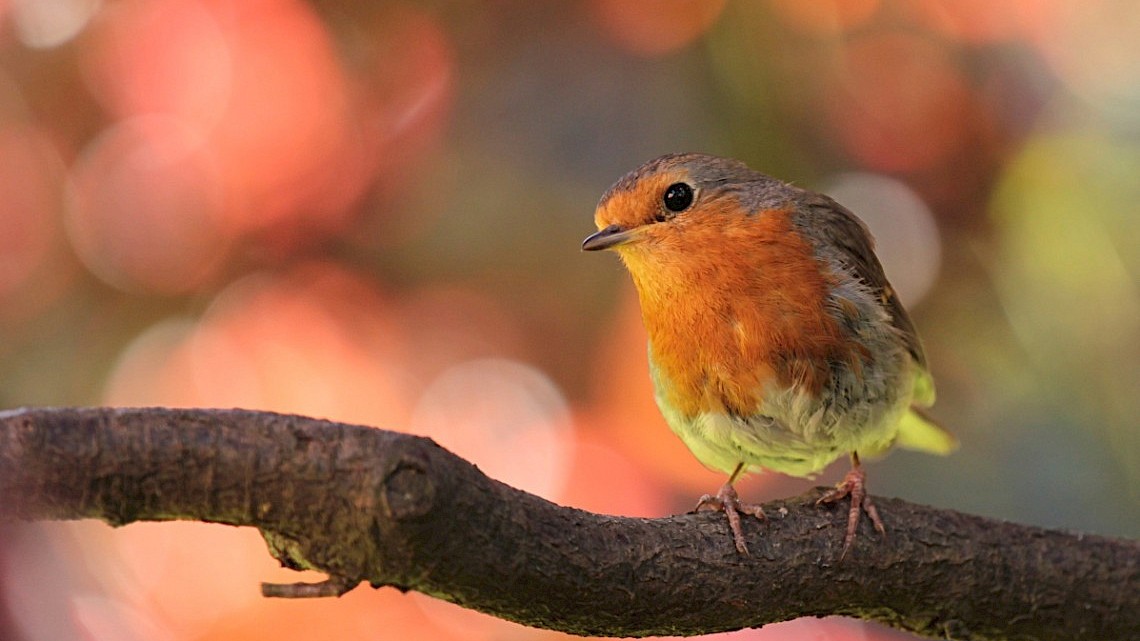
(731, 304)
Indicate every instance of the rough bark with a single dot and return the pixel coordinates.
(364, 504)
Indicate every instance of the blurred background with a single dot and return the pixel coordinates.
(372, 212)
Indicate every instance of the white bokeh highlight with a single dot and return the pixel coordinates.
(907, 241)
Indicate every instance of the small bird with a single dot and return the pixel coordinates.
(775, 340)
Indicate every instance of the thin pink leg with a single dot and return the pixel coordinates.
(727, 501)
(854, 485)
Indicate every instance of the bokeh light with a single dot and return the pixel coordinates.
(169, 57)
(895, 89)
(625, 489)
(262, 88)
(906, 237)
(1066, 225)
(1068, 277)
(982, 22)
(259, 337)
(31, 187)
(1095, 52)
(144, 207)
(43, 24)
(657, 28)
(489, 411)
(357, 616)
(452, 324)
(824, 17)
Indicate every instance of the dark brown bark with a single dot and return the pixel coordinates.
(364, 504)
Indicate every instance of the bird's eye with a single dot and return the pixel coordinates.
(678, 197)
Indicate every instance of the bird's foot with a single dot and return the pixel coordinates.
(728, 502)
(854, 485)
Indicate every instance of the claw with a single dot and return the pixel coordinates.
(727, 501)
(854, 485)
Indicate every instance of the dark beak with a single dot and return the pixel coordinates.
(611, 236)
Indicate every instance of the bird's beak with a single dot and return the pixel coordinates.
(611, 236)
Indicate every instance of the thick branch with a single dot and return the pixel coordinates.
(368, 505)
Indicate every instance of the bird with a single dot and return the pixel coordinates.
(775, 340)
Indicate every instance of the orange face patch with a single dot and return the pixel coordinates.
(638, 206)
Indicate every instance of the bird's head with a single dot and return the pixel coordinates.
(678, 207)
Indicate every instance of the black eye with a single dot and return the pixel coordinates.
(678, 197)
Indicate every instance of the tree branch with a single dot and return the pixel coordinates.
(391, 509)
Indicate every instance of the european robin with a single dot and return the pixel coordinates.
(775, 340)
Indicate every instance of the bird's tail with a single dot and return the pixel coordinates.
(917, 431)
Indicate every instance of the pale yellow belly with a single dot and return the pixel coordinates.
(789, 434)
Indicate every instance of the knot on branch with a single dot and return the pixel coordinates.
(408, 491)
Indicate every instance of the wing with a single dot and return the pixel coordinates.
(847, 240)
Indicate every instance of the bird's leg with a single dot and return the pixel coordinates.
(854, 485)
(728, 502)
